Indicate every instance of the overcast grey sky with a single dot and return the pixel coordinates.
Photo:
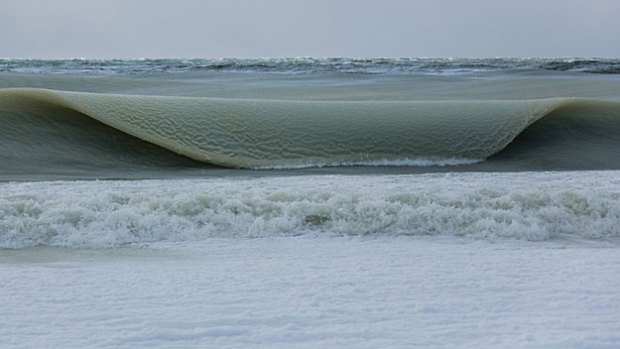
(276, 28)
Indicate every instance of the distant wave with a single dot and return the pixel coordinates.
(45, 129)
(305, 65)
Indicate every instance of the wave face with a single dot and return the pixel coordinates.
(43, 129)
(308, 65)
(565, 206)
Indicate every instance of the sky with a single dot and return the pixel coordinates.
(320, 28)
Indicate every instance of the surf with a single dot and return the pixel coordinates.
(90, 131)
(533, 206)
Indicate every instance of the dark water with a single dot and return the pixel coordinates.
(309, 65)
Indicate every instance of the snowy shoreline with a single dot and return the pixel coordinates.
(309, 292)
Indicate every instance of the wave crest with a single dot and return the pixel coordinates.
(87, 129)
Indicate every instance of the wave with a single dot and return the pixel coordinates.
(44, 130)
(308, 65)
(561, 206)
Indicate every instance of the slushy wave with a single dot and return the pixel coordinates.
(85, 129)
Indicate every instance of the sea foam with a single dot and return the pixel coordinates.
(523, 206)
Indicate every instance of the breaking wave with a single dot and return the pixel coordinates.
(44, 129)
(565, 206)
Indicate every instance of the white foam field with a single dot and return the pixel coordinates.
(510, 206)
(313, 292)
(345, 280)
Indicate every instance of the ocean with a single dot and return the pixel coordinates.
(310, 202)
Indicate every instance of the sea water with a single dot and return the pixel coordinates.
(309, 202)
